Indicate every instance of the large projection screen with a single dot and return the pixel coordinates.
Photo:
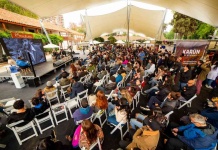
(16, 47)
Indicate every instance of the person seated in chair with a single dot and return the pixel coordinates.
(39, 106)
(212, 113)
(64, 80)
(21, 113)
(84, 112)
(198, 128)
(188, 91)
(119, 77)
(22, 63)
(77, 87)
(49, 88)
(60, 76)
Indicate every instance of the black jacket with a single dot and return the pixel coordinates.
(185, 76)
(189, 92)
(27, 116)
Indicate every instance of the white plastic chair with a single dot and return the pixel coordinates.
(57, 110)
(89, 118)
(120, 127)
(40, 120)
(64, 90)
(82, 79)
(99, 115)
(188, 102)
(137, 97)
(18, 130)
(72, 103)
(81, 95)
(110, 95)
(52, 96)
(99, 83)
(95, 144)
(168, 116)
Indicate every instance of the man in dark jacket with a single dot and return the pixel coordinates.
(21, 113)
(77, 87)
(188, 91)
(212, 113)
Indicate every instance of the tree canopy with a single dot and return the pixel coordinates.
(112, 39)
(5, 4)
(189, 28)
(99, 39)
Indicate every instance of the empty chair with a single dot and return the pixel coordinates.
(39, 120)
(52, 96)
(57, 110)
(18, 130)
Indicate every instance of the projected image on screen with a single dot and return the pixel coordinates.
(21, 47)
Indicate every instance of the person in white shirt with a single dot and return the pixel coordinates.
(151, 69)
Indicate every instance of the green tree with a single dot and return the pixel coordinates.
(112, 39)
(5, 4)
(183, 25)
(99, 39)
(204, 30)
(56, 39)
(5, 34)
(169, 35)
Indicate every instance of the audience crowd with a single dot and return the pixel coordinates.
(117, 75)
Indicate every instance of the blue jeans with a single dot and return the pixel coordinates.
(152, 88)
(112, 119)
(153, 100)
(182, 85)
(209, 82)
(153, 82)
(110, 107)
(134, 122)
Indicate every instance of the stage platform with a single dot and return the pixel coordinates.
(40, 69)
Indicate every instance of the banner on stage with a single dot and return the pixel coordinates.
(192, 50)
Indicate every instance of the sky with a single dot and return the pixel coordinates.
(75, 17)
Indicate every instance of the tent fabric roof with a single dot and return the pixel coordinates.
(204, 10)
(143, 21)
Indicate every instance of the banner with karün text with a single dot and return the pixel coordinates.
(192, 51)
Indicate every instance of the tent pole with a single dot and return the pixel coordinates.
(160, 31)
(43, 28)
(128, 15)
(89, 27)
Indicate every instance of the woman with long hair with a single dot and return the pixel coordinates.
(121, 111)
(73, 70)
(89, 134)
(126, 94)
(85, 135)
(211, 77)
(101, 101)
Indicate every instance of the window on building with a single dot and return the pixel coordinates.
(31, 30)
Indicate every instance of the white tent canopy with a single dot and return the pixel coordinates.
(120, 42)
(204, 10)
(143, 21)
(94, 42)
(50, 46)
(136, 42)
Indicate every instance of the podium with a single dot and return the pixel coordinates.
(18, 80)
